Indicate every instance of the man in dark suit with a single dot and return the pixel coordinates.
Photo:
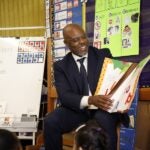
(74, 102)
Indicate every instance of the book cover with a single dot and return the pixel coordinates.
(119, 80)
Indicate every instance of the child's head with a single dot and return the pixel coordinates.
(91, 137)
(9, 141)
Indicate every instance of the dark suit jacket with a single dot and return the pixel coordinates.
(67, 78)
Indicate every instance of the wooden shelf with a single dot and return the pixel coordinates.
(144, 94)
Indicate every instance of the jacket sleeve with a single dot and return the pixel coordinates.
(67, 91)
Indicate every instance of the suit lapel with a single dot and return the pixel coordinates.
(92, 70)
(73, 69)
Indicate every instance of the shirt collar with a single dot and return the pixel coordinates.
(77, 57)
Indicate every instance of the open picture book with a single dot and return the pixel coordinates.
(118, 80)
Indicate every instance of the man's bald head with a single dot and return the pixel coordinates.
(76, 39)
(70, 27)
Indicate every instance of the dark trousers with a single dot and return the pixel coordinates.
(63, 120)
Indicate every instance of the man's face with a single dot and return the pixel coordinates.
(77, 41)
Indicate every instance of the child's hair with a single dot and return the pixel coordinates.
(9, 141)
(91, 137)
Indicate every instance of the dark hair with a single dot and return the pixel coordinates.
(92, 137)
(8, 140)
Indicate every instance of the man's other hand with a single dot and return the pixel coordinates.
(100, 101)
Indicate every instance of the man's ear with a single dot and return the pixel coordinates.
(65, 41)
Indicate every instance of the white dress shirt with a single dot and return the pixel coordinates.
(84, 100)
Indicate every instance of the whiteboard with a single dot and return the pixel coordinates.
(21, 75)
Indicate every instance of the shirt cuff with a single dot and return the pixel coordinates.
(84, 102)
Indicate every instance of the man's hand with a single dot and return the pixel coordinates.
(100, 101)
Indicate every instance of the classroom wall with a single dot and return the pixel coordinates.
(22, 18)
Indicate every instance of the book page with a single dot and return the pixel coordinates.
(119, 80)
(112, 72)
(124, 95)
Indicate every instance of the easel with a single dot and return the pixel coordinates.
(20, 108)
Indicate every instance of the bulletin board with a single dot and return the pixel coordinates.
(65, 12)
(21, 75)
(117, 21)
(144, 36)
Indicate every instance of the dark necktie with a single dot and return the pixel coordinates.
(83, 75)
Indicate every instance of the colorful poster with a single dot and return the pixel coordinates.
(101, 3)
(65, 12)
(117, 26)
(100, 37)
(130, 30)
